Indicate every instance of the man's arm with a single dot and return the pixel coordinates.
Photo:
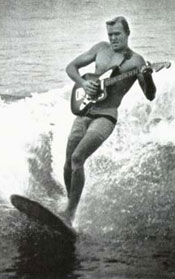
(83, 60)
(145, 80)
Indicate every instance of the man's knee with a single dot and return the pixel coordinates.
(77, 161)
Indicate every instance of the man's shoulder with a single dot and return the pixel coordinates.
(101, 45)
(104, 44)
(98, 48)
(137, 59)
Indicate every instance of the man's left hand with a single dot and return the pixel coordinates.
(146, 69)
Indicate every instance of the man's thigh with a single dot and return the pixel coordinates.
(101, 127)
(78, 131)
(97, 132)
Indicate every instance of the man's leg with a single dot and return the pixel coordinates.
(97, 132)
(77, 133)
(68, 166)
(84, 149)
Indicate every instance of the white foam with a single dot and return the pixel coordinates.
(21, 124)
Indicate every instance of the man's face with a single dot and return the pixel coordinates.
(117, 36)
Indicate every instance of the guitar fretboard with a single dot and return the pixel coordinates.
(156, 66)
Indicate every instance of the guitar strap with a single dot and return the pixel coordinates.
(127, 55)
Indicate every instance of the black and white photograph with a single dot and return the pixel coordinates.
(87, 139)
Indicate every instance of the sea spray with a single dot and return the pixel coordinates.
(27, 129)
(130, 179)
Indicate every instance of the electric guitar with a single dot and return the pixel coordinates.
(80, 101)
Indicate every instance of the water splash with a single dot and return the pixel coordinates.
(128, 178)
(27, 127)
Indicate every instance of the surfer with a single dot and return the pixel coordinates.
(90, 130)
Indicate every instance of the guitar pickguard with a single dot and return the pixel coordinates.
(80, 94)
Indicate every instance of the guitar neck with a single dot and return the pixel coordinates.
(113, 80)
(134, 72)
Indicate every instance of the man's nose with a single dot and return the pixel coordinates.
(113, 37)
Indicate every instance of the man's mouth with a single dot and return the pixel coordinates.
(114, 43)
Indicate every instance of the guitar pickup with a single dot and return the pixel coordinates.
(102, 86)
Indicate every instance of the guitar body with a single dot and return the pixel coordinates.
(80, 101)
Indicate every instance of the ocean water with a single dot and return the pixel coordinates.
(39, 38)
(125, 219)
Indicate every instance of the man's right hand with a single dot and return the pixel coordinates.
(91, 87)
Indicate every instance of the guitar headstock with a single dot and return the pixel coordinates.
(159, 66)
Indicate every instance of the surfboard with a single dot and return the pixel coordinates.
(42, 215)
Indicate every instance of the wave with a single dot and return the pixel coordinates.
(130, 178)
(27, 127)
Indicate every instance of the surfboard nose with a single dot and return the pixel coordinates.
(42, 215)
(13, 199)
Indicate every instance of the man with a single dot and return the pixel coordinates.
(94, 127)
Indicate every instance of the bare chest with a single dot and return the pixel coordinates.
(105, 60)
